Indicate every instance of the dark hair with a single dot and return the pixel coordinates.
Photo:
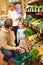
(8, 23)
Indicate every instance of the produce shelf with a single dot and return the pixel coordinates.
(35, 29)
(35, 2)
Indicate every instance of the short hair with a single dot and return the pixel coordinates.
(21, 23)
(10, 4)
(8, 23)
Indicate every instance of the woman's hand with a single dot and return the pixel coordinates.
(20, 17)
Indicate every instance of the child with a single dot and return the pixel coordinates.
(18, 8)
(21, 36)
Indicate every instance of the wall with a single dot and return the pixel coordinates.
(3, 6)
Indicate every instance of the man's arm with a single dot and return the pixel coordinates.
(13, 39)
(3, 43)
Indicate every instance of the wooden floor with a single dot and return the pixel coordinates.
(3, 62)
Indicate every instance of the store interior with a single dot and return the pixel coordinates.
(29, 34)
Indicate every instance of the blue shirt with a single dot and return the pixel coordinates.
(19, 10)
(20, 34)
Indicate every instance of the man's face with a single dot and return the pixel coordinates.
(11, 6)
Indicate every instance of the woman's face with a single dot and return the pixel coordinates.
(11, 6)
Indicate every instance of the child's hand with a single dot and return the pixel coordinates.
(18, 42)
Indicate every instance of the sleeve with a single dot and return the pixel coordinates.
(13, 15)
(13, 39)
(3, 43)
(9, 15)
(13, 36)
(18, 36)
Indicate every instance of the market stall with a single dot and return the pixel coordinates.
(32, 17)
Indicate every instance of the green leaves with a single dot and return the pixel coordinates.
(34, 53)
(27, 32)
(28, 18)
(40, 0)
(40, 26)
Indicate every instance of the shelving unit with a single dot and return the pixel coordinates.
(37, 2)
(34, 28)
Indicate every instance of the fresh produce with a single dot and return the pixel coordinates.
(40, 0)
(1, 23)
(27, 32)
(28, 18)
(41, 60)
(34, 6)
(40, 6)
(33, 37)
(40, 26)
(34, 53)
(40, 49)
(36, 22)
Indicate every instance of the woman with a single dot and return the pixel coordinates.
(12, 14)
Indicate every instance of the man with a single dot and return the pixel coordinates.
(12, 14)
(7, 38)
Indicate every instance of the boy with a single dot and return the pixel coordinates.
(20, 34)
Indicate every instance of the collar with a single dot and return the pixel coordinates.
(4, 30)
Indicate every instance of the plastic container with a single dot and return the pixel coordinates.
(22, 59)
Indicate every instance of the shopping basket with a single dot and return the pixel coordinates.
(22, 59)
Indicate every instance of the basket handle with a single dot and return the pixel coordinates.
(23, 48)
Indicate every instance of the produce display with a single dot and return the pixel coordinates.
(36, 22)
(28, 18)
(1, 23)
(40, 26)
(34, 8)
(34, 53)
(27, 32)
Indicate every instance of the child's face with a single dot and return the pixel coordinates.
(20, 25)
(18, 5)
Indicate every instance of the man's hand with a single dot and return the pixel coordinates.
(18, 48)
(14, 44)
